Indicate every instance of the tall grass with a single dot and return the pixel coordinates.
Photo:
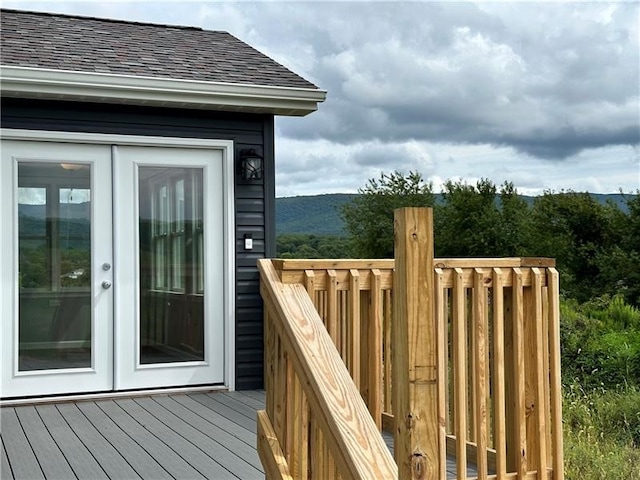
(601, 434)
(601, 371)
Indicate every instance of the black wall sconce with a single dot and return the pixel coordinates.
(251, 165)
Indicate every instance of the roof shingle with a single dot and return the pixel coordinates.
(85, 44)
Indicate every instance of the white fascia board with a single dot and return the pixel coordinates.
(127, 89)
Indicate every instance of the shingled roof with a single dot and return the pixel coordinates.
(66, 43)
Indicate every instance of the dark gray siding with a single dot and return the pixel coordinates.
(254, 203)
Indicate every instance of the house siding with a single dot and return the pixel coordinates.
(254, 203)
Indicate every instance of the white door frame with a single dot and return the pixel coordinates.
(227, 150)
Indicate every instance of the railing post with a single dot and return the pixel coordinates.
(415, 382)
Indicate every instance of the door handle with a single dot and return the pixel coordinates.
(106, 284)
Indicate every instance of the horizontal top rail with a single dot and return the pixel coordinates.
(324, 272)
(388, 264)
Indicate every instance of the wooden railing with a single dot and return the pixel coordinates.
(502, 391)
(316, 424)
(494, 328)
(354, 301)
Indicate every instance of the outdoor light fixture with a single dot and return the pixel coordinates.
(251, 165)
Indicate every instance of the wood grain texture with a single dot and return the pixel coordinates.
(415, 392)
(556, 380)
(374, 349)
(441, 309)
(541, 394)
(499, 399)
(519, 422)
(273, 460)
(480, 361)
(347, 427)
(460, 372)
(502, 385)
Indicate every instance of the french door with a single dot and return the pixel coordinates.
(112, 267)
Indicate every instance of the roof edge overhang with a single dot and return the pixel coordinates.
(29, 82)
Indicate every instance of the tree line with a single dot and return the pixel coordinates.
(596, 245)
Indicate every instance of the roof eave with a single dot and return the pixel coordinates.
(127, 89)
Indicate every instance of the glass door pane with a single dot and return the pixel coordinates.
(171, 261)
(54, 248)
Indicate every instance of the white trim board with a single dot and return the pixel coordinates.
(29, 82)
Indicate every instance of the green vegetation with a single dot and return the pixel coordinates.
(311, 246)
(596, 244)
(601, 371)
(597, 248)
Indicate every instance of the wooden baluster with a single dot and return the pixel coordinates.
(480, 333)
(332, 307)
(374, 349)
(354, 330)
(388, 361)
(499, 440)
(539, 372)
(555, 381)
(460, 372)
(517, 440)
(443, 376)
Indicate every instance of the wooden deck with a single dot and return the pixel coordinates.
(179, 436)
(186, 436)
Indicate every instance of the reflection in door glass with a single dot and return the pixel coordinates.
(54, 266)
(171, 265)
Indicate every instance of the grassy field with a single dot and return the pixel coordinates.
(601, 370)
(602, 434)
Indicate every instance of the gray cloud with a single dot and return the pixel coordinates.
(450, 89)
(549, 81)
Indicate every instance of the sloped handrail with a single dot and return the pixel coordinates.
(316, 424)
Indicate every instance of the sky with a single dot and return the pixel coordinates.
(542, 94)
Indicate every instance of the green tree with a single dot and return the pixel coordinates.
(298, 245)
(481, 220)
(619, 262)
(369, 218)
(577, 230)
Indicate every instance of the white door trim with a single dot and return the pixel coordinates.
(227, 149)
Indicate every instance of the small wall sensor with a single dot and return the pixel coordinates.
(248, 241)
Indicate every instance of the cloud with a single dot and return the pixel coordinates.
(549, 82)
(544, 94)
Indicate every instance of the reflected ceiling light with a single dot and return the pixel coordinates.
(71, 166)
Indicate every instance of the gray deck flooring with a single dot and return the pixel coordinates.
(180, 436)
(185, 436)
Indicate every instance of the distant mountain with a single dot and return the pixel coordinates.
(320, 214)
(317, 214)
(69, 211)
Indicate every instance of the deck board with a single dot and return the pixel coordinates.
(212, 402)
(24, 463)
(171, 461)
(111, 461)
(136, 456)
(242, 451)
(197, 435)
(80, 459)
(233, 463)
(5, 468)
(50, 458)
